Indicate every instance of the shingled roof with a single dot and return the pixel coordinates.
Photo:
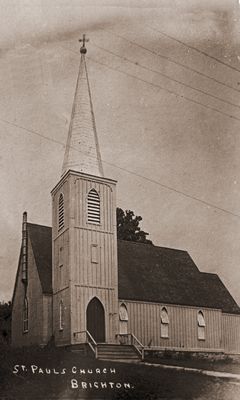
(41, 240)
(163, 275)
(147, 273)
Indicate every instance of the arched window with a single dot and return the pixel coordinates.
(123, 320)
(93, 207)
(123, 313)
(164, 323)
(201, 325)
(25, 315)
(61, 315)
(60, 212)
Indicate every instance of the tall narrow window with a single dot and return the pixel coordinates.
(25, 315)
(93, 207)
(164, 323)
(123, 319)
(201, 325)
(60, 212)
(61, 315)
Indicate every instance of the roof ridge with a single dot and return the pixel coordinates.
(152, 245)
(43, 226)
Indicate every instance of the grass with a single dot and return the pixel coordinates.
(224, 365)
(147, 383)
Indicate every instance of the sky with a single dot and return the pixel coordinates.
(167, 110)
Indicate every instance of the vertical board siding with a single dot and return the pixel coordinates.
(61, 262)
(62, 337)
(35, 306)
(231, 333)
(83, 295)
(61, 274)
(90, 279)
(86, 272)
(145, 323)
(47, 318)
(105, 191)
(64, 189)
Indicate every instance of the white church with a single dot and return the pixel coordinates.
(77, 283)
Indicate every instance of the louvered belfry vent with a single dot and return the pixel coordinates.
(60, 212)
(93, 207)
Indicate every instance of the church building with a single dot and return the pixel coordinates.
(76, 282)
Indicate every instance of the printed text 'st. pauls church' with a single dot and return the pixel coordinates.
(78, 283)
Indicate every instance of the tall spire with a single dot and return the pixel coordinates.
(82, 152)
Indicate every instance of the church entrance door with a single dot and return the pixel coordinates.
(96, 320)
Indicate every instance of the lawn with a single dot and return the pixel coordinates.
(59, 374)
(225, 365)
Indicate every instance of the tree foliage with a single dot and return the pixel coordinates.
(5, 321)
(5, 309)
(128, 227)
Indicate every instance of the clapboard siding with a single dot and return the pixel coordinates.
(145, 322)
(231, 333)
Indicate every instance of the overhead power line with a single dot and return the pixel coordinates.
(195, 49)
(31, 131)
(167, 90)
(136, 63)
(159, 86)
(156, 53)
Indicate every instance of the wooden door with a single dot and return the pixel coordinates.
(96, 320)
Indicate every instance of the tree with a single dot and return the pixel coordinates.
(128, 227)
(5, 321)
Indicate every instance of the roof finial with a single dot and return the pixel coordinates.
(83, 49)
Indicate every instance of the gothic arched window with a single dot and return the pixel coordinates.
(201, 325)
(60, 212)
(25, 315)
(93, 207)
(61, 315)
(164, 323)
(123, 313)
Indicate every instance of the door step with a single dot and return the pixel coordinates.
(117, 352)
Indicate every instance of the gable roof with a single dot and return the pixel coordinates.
(41, 240)
(163, 275)
(147, 273)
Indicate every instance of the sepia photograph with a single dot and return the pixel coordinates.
(120, 200)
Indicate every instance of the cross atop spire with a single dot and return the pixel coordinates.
(83, 49)
(82, 152)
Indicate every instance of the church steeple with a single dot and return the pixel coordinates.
(84, 235)
(82, 152)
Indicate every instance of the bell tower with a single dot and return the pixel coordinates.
(84, 240)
